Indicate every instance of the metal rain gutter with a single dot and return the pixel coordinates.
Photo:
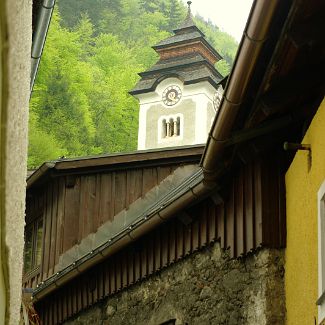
(255, 35)
(160, 211)
(42, 26)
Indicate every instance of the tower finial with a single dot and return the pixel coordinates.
(188, 22)
(189, 6)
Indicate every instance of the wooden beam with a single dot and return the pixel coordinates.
(289, 93)
(266, 128)
(309, 32)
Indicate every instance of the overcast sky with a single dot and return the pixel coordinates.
(229, 15)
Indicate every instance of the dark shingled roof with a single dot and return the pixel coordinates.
(179, 38)
(188, 22)
(189, 73)
(190, 68)
(176, 62)
(187, 32)
(183, 39)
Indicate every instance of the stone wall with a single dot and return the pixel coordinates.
(205, 288)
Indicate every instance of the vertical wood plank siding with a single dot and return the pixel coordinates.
(250, 214)
(74, 206)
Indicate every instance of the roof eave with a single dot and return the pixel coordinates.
(52, 168)
(180, 66)
(189, 82)
(256, 34)
(214, 52)
(183, 29)
(41, 172)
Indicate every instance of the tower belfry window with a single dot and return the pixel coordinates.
(170, 127)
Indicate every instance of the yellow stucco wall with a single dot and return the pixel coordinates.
(302, 184)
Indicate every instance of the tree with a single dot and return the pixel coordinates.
(223, 42)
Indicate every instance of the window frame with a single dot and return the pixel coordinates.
(36, 261)
(166, 138)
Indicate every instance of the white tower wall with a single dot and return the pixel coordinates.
(188, 120)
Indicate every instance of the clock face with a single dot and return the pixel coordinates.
(217, 98)
(171, 95)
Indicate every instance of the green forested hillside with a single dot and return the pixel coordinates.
(94, 50)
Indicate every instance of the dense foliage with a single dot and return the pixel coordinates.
(94, 50)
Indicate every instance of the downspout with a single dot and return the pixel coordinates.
(255, 35)
(42, 26)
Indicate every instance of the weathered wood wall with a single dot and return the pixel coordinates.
(248, 213)
(74, 206)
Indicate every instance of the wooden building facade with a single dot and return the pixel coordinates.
(245, 213)
(79, 196)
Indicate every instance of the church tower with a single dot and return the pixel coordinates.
(180, 94)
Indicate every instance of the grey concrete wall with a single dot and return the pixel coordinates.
(15, 42)
(187, 108)
(205, 288)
